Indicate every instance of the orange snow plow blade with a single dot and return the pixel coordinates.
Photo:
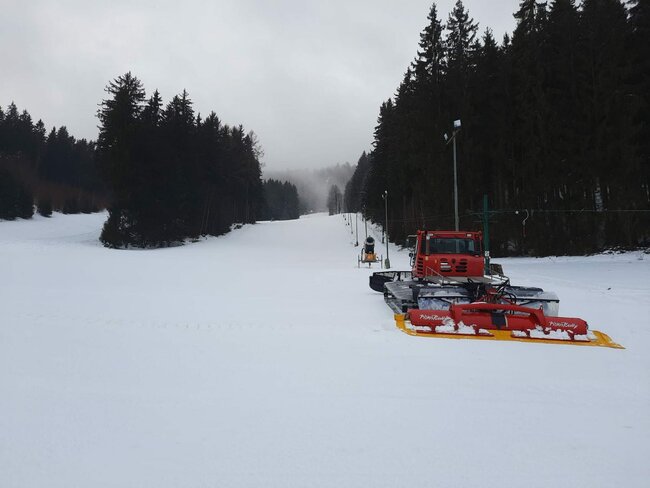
(596, 338)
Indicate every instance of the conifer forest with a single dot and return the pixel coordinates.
(554, 129)
(51, 169)
(173, 174)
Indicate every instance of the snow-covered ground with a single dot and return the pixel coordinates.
(262, 359)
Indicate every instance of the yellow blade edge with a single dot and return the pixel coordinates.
(601, 339)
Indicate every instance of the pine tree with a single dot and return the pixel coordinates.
(334, 200)
(419, 113)
(561, 54)
(460, 47)
(185, 177)
(53, 165)
(377, 179)
(210, 150)
(606, 107)
(355, 188)
(430, 64)
(281, 200)
(530, 107)
(11, 129)
(639, 77)
(44, 207)
(152, 112)
(118, 132)
(182, 203)
(488, 148)
(16, 201)
(293, 201)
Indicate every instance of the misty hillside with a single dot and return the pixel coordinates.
(313, 184)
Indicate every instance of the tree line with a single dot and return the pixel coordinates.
(173, 174)
(53, 170)
(281, 200)
(555, 130)
(164, 173)
(335, 202)
(313, 185)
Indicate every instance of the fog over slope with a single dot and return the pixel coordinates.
(313, 184)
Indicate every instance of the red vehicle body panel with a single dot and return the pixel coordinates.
(448, 253)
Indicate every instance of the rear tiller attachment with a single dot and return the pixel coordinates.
(502, 322)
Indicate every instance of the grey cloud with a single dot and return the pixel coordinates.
(307, 77)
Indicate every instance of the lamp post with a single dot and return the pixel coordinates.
(457, 126)
(385, 197)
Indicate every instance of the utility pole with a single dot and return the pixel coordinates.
(385, 197)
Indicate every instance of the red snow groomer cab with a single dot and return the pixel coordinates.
(453, 291)
(448, 253)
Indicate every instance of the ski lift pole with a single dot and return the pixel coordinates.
(486, 234)
(523, 225)
(387, 263)
(356, 218)
(457, 126)
(365, 221)
(523, 229)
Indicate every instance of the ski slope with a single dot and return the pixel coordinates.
(262, 359)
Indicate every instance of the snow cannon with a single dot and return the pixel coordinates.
(369, 245)
(368, 254)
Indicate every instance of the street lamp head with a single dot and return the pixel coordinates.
(457, 124)
(446, 137)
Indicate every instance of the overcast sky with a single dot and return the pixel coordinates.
(307, 77)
